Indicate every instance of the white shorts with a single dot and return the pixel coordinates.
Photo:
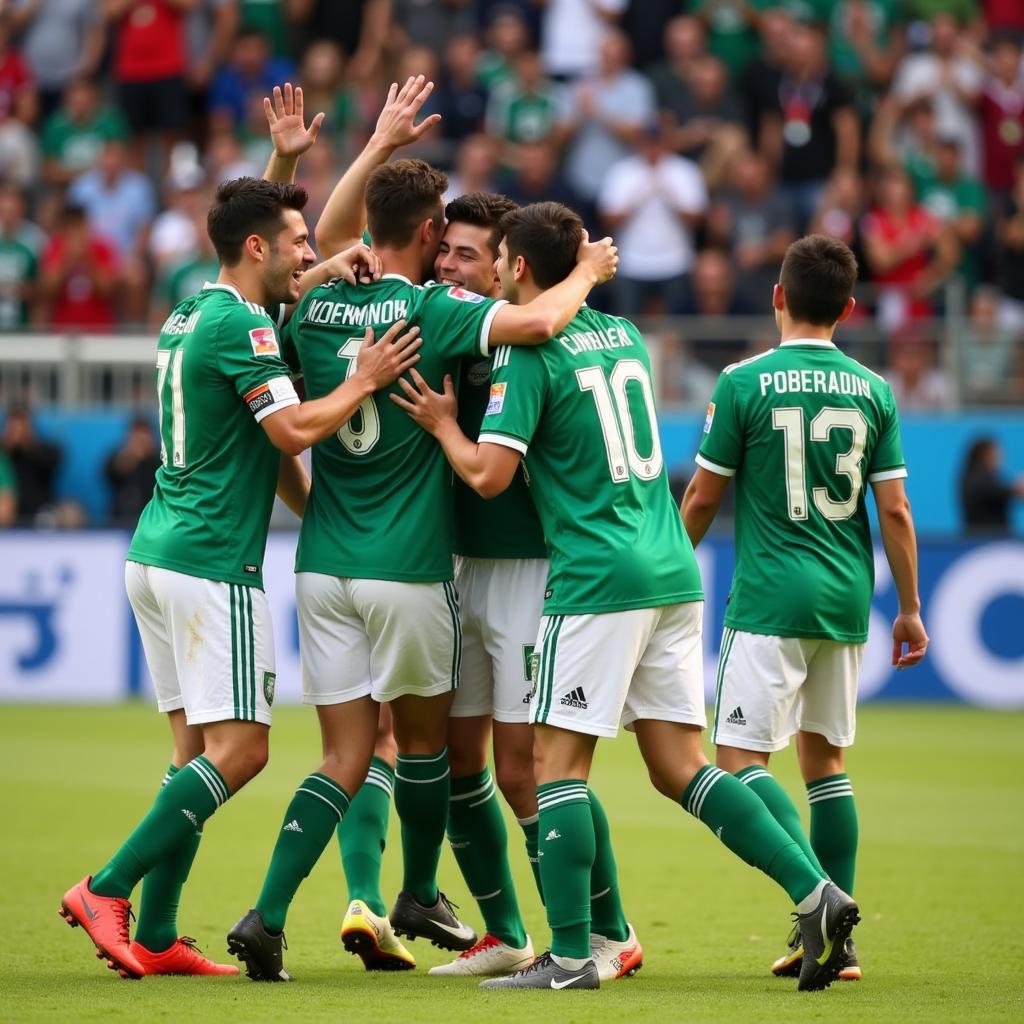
(501, 601)
(209, 645)
(770, 687)
(376, 638)
(595, 671)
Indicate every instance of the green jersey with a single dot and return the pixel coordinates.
(581, 409)
(18, 267)
(802, 427)
(182, 279)
(219, 373)
(381, 501)
(76, 146)
(506, 526)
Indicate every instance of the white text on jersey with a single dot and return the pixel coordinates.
(593, 341)
(324, 311)
(810, 381)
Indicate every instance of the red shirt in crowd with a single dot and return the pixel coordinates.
(150, 42)
(917, 223)
(78, 305)
(1002, 14)
(14, 77)
(1002, 131)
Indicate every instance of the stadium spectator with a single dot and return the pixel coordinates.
(241, 84)
(990, 366)
(525, 107)
(18, 109)
(1004, 15)
(61, 40)
(210, 26)
(507, 36)
(19, 263)
(33, 460)
(1001, 109)
(225, 158)
(571, 35)
(461, 99)
(918, 385)
(811, 128)
(475, 168)
(732, 29)
(605, 113)
(759, 83)
(652, 202)
(78, 279)
(684, 45)
(359, 27)
(840, 210)
(1010, 268)
(318, 174)
(73, 135)
(186, 277)
(645, 23)
(8, 493)
(130, 472)
(322, 73)
(985, 495)
(866, 43)
(268, 19)
(430, 24)
(174, 235)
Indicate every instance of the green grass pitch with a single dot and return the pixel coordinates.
(940, 886)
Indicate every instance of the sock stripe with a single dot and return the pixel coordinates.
(753, 776)
(375, 777)
(422, 782)
(527, 822)
(330, 803)
(489, 795)
(829, 787)
(210, 776)
(488, 785)
(488, 896)
(838, 795)
(698, 788)
(451, 596)
(328, 782)
(703, 787)
(409, 759)
(565, 797)
(598, 895)
(215, 775)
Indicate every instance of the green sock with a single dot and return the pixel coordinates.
(531, 828)
(316, 809)
(422, 790)
(181, 807)
(476, 830)
(834, 828)
(747, 828)
(363, 834)
(761, 781)
(606, 914)
(567, 850)
(157, 928)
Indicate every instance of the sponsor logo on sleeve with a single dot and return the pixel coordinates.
(259, 398)
(710, 418)
(264, 341)
(497, 400)
(479, 373)
(464, 296)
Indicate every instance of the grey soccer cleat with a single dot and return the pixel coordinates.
(824, 932)
(258, 949)
(438, 923)
(545, 973)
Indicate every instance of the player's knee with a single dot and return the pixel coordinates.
(385, 747)
(463, 761)
(517, 785)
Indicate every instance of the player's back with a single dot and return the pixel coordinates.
(595, 466)
(219, 372)
(804, 427)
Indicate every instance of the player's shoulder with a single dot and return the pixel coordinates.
(238, 324)
(434, 293)
(739, 370)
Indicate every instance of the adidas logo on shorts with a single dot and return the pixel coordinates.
(736, 716)
(575, 699)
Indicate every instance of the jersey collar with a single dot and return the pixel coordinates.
(816, 342)
(217, 286)
(397, 277)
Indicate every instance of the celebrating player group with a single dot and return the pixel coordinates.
(546, 598)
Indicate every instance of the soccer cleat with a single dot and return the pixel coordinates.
(616, 959)
(850, 971)
(545, 973)
(105, 920)
(371, 938)
(181, 958)
(824, 932)
(788, 966)
(258, 949)
(438, 923)
(489, 957)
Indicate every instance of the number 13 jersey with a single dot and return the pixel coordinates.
(802, 427)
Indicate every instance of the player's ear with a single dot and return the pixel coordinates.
(778, 298)
(848, 309)
(519, 268)
(255, 247)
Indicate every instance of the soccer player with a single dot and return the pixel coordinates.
(801, 429)
(231, 425)
(378, 612)
(620, 637)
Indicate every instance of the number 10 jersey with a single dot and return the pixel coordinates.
(802, 427)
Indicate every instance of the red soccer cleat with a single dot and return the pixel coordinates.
(181, 958)
(105, 920)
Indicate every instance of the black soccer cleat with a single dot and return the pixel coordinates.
(850, 969)
(824, 932)
(438, 923)
(545, 973)
(258, 949)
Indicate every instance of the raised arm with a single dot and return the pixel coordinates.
(288, 132)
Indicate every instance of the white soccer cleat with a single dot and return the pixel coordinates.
(489, 957)
(616, 959)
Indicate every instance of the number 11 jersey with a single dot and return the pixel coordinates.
(802, 427)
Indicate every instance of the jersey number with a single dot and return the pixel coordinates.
(790, 421)
(165, 359)
(359, 441)
(617, 419)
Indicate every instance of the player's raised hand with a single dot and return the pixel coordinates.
(602, 257)
(286, 118)
(429, 408)
(382, 362)
(357, 264)
(396, 125)
(909, 630)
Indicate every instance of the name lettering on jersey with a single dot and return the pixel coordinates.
(595, 341)
(496, 401)
(812, 381)
(264, 341)
(178, 323)
(344, 314)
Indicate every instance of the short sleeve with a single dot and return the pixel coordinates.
(887, 461)
(456, 321)
(249, 355)
(721, 448)
(519, 387)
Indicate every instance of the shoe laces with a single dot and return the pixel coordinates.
(189, 943)
(446, 903)
(122, 914)
(794, 936)
(487, 942)
(542, 961)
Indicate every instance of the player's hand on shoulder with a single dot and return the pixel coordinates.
(358, 264)
(908, 630)
(429, 408)
(601, 258)
(286, 118)
(396, 125)
(382, 362)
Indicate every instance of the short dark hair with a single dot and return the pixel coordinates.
(482, 210)
(547, 236)
(399, 197)
(248, 206)
(818, 274)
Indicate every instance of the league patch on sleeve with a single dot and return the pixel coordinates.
(264, 341)
(496, 402)
(710, 418)
(259, 398)
(464, 296)
(277, 390)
